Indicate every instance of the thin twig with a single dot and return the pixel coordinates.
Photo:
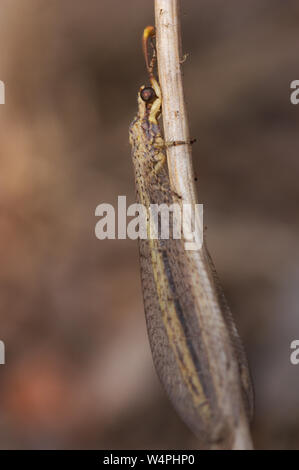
(175, 120)
(175, 123)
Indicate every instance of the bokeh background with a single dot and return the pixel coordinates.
(78, 370)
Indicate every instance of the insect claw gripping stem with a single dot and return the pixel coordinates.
(174, 143)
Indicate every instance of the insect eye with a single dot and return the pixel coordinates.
(148, 94)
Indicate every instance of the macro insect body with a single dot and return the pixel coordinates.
(194, 342)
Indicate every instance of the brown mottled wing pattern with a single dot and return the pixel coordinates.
(203, 385)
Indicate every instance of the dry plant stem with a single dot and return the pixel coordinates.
(174, 111)
(181, 173)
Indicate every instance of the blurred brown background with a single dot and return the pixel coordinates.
(79, 372)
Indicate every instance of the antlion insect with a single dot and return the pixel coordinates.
(196, 349)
